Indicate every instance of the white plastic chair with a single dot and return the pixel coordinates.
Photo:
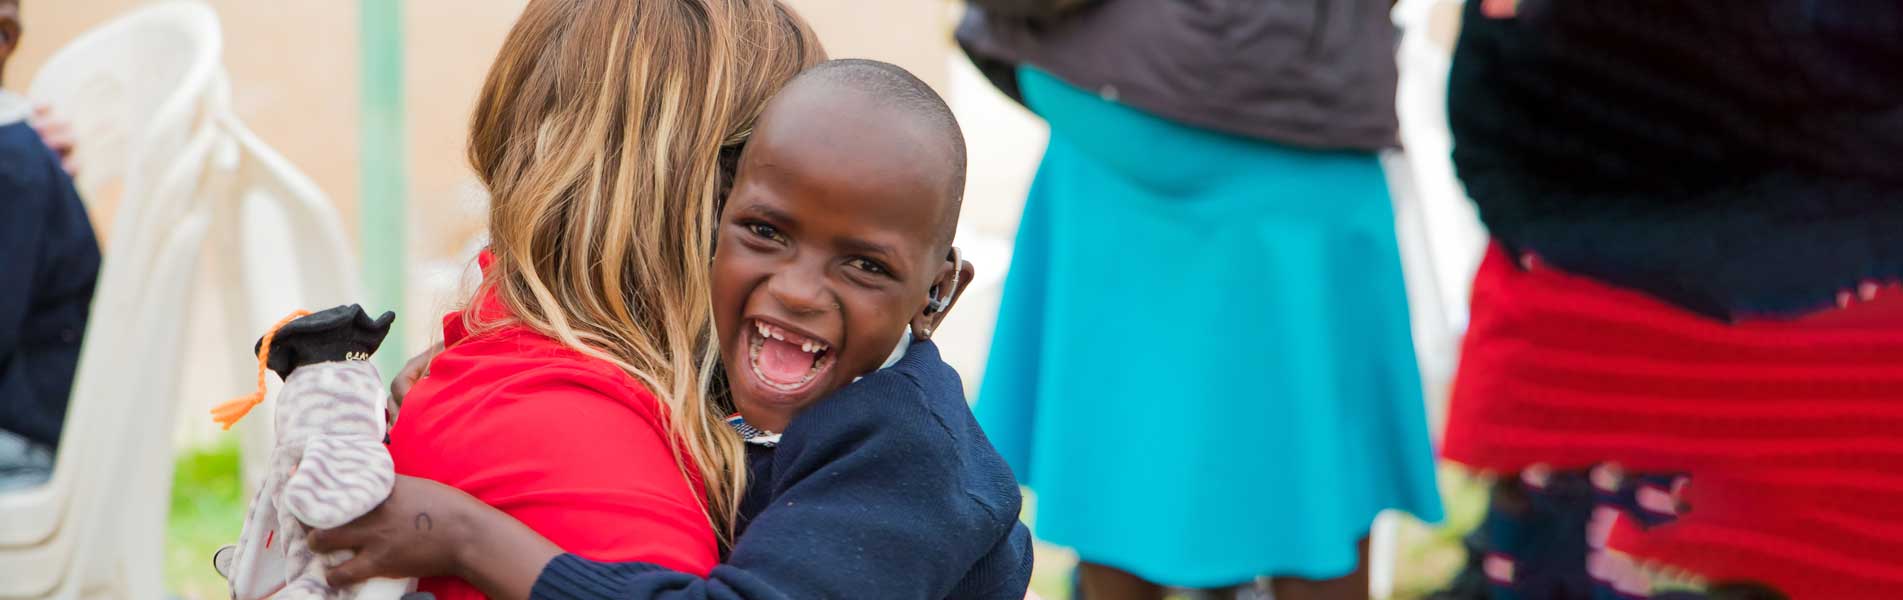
(280, 246)
(136, 78)
(275, 244)
(140, 91)
(130, 88)
(83, 559)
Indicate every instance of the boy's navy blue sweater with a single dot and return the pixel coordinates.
(49, 262)
(886, 489)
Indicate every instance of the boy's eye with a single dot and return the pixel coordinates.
(870, 266)
(764, 231)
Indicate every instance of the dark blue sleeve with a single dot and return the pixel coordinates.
(23, 215)
(869, 502)
(49, 264)
(1004, 573)
(25, 206)
(571, 577)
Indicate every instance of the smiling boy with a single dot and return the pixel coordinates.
(834, 245)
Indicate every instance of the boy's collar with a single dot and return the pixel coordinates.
(752, 435)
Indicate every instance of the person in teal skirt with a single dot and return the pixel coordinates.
(1203, 364)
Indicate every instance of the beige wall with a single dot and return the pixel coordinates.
(294, 66)
(292, 62)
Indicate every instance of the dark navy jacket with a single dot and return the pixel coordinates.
(49, 262)
(887, 489)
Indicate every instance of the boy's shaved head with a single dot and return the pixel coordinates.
(892, 87)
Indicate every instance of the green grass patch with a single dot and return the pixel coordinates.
(208, 507)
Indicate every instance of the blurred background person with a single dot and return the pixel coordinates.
(1202, 363)
(1694, 273)
(49, 263)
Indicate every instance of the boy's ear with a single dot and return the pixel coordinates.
(947, 288)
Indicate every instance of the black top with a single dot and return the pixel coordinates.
(1312, 73)
(886, 489)
(49, 263)
(1736, 158)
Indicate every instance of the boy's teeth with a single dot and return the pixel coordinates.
(775, 333)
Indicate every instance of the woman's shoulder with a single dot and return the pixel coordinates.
(516, 371)
(515, 356)
(532, 405)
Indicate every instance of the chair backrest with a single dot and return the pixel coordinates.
(130, 87)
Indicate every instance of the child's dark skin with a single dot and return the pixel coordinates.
(837, 231)
(834, 235)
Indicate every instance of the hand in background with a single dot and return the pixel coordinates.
(1500, 9)
(413, 371)
(57, 133)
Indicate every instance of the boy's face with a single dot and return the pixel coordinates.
(828, 248)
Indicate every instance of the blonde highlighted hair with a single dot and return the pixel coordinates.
(604, 133)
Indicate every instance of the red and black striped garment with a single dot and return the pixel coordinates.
(1791, 430)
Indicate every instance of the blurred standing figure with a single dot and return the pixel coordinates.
(1203, 363)
(49, 262)
(1692, 299)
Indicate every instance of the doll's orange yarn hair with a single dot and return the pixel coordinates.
(227, 414)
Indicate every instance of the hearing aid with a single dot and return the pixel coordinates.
(941, 299)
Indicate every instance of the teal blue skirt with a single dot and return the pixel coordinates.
(1203, 365)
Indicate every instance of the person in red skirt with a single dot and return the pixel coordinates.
(1686, 346)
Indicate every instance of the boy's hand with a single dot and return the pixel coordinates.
(57, 133)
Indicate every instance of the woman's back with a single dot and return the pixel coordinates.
(568, 444)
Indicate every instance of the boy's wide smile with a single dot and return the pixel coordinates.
(786, 362)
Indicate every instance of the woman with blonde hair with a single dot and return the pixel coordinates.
(572, 389)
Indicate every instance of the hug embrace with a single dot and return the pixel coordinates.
(699, 363)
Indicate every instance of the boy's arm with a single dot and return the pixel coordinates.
(870, 505)
(556, 458)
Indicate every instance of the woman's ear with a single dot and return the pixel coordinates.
(947, 288)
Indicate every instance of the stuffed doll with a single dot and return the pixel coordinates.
(329, 465)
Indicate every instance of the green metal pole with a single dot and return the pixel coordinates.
(382, 210)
